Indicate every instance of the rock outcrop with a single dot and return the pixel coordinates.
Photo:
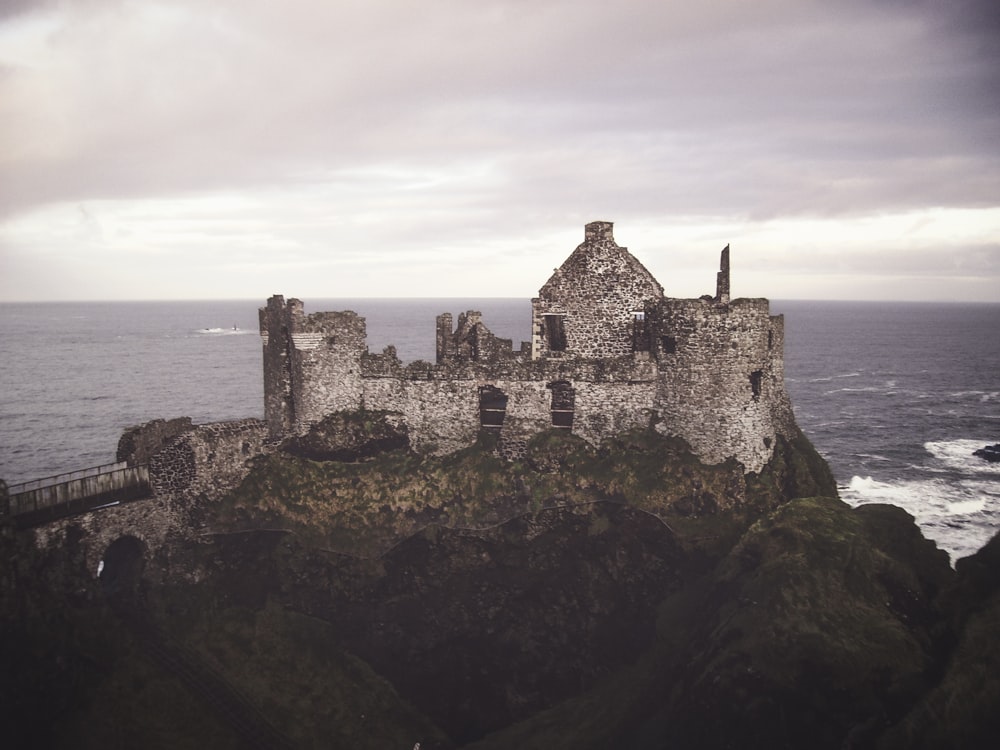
(989, 453)
(625, 595)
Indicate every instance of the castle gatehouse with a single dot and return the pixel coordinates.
(608, 352)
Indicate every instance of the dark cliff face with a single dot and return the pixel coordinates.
(626, 596)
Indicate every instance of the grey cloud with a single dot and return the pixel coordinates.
(757, 109)
(960, 259)
(14, 8)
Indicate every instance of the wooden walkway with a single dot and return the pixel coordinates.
(49, 499)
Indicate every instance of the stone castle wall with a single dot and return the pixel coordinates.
(138, 444)
(444, 415)
(721, 381)
(717, 383)
(709, 370)
(209, 459)
(311, 363)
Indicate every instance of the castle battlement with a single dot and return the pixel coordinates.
(608, 352)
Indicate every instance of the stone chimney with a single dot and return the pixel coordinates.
(722, 279)
(598, 231)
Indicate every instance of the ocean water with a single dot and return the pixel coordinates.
(896, 396)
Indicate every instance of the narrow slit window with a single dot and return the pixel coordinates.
(756, 377)
(640, 333)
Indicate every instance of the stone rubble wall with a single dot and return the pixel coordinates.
(153, 522)
(138, 444)
(275, 336)
(606, 409)
(209, 460)
(470, 341)
(326, 366)
(442, 415)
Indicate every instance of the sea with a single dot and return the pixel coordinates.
(896, 396)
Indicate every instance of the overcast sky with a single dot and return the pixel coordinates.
(341, 148)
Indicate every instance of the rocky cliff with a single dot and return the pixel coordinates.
(351, 593)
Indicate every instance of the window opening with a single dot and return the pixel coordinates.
(668, 344)
(492, 407)
(555, 333)
(640, 333)
(755, 380)
(563, 404)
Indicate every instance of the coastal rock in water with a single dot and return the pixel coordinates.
(990, 453)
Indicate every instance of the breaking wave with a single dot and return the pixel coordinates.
(957, 455)
(955, 500)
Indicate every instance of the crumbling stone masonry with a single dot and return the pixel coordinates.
(608, 352)
(138, 444)
(208, 459)
(188, 459)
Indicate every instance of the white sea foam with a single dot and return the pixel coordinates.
(828, 378)
(960, 516)
(966, 507)
(866, 389)
(957, 455)
(224, 331)
(874, 457)
(982, 396)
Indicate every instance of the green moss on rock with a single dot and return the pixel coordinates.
(624, 595)
(364, 507)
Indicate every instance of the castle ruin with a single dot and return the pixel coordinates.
(608, 352)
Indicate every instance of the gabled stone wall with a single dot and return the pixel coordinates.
(594, 296)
